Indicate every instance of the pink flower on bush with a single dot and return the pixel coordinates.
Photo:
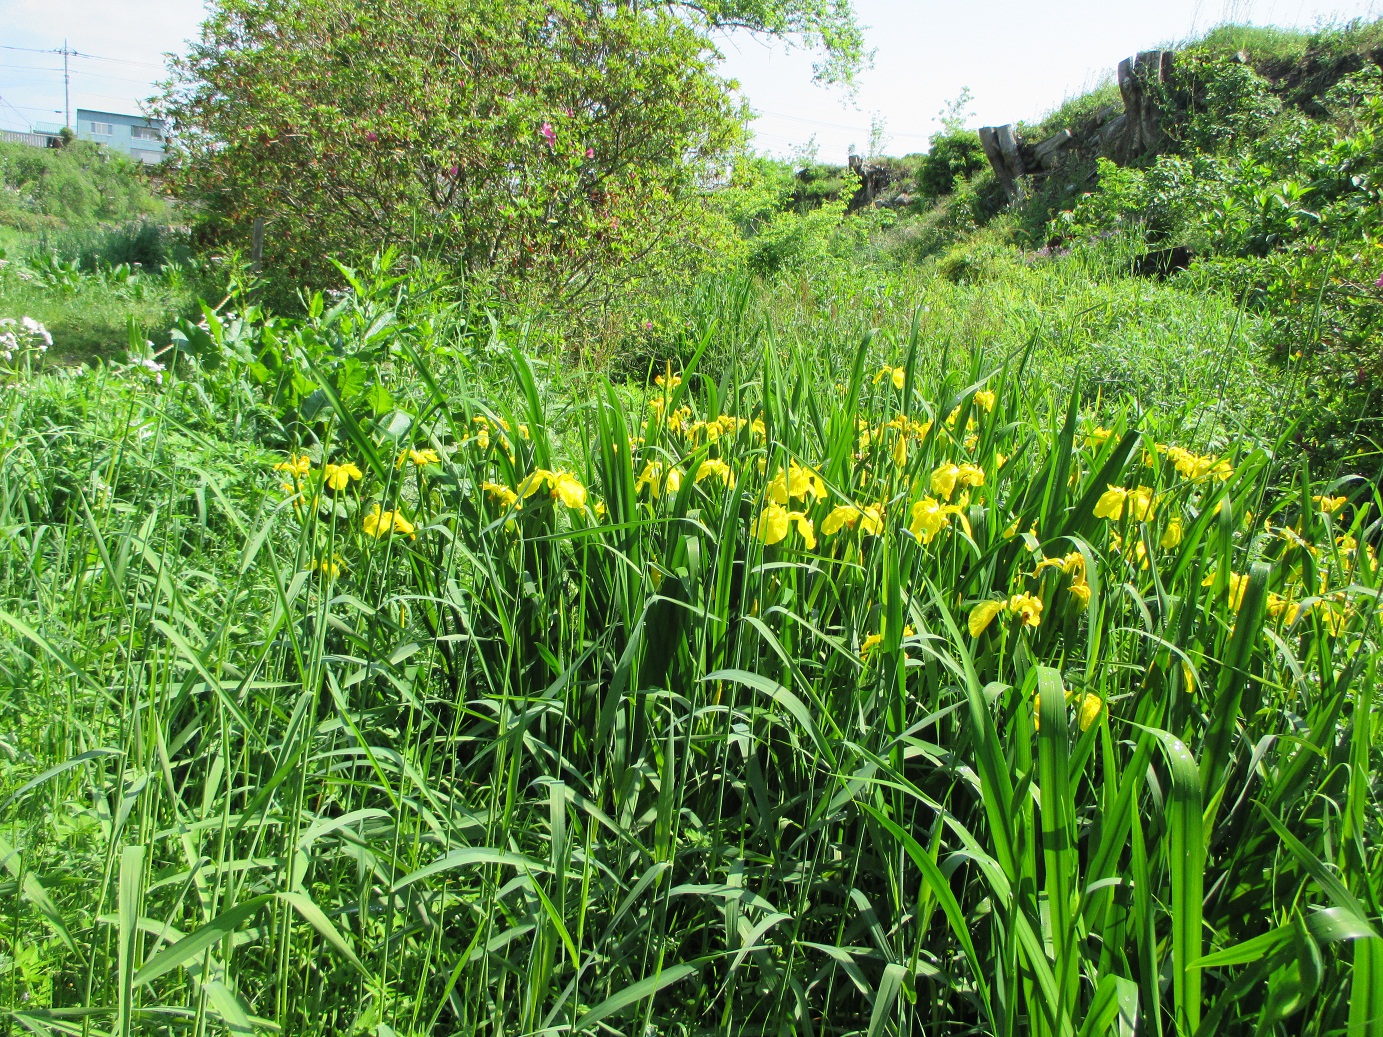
(549, 134)
(372, 136)
(1378, 283)
(453, 171)
(590, 152)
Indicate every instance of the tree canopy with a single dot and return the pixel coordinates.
(553, 143)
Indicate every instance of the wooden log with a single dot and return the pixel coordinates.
(1008, 146)
(1002, 148)
(1050, 151)
(1138, 78)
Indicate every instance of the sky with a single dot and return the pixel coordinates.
(1019, 58)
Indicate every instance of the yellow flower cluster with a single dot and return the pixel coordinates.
(1115, 500)
(657, 482)
(562, 485)
(1025, 606)
(725, 425)
(1073, 565)
(948, 476)
(420, 458)
(486, 431)
(381, 523)
(773, 523)
(1196, 466)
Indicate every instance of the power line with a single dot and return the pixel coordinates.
(118, 79)
(12, 108)
(78, 54)
(79, 72)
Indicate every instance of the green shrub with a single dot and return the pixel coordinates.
(957, 154)
(79, 185)
(559, 149)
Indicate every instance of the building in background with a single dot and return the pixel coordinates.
(133, 135)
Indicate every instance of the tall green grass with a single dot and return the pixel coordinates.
(426, 752)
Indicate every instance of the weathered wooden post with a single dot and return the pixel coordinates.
(257, 244)
(1001, 146)
(1142, 127)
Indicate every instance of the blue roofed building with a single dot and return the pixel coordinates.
(133, 135)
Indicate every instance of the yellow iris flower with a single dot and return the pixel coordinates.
(874, 640)
(794, 483)
(1114, 500)
(1330, 505)
(943, 481)
(563, 486)
(930, 517)
(381, 523)
(985, 400)
(983, 614)
(1027, 607)
(298, 464)
(652, 476)
(1238, 583)
(1171, 536)
(420, 458)
(506, 497)
(898, 376)
(338, 476)
(1091, 705)
(870, 519)
(1285, 607)
(716, 469)
(773, 524)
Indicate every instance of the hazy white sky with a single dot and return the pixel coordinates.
(1020, 58)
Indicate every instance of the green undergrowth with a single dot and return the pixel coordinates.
(364, 673)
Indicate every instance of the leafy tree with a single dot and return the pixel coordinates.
(562, 145)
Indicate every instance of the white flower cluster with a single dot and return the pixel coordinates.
(19, 335)
(147, 363)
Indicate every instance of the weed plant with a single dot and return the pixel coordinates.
(865, 687)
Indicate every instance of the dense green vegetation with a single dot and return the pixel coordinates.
(911, 622)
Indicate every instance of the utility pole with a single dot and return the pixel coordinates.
(66, 87)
